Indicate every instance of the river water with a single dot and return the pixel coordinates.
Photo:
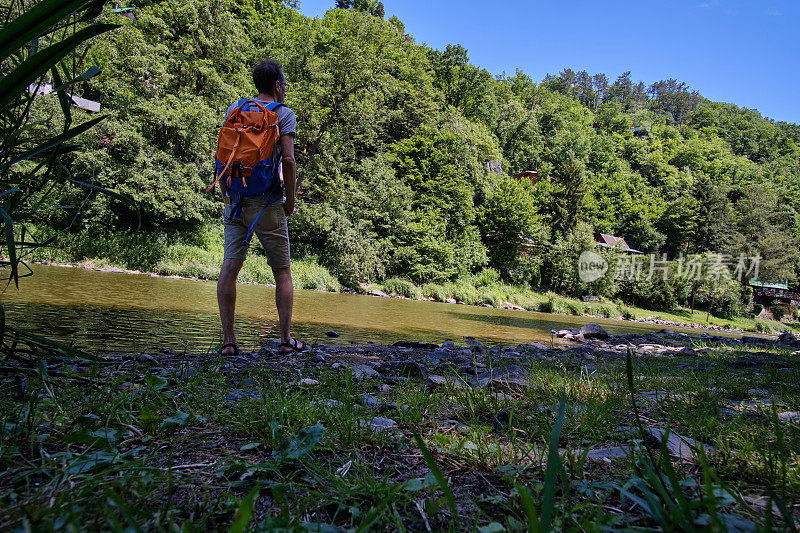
(122, 312)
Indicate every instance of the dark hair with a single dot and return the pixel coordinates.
(265, 74)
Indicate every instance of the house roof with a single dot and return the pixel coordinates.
(755, 282)
(618, 243)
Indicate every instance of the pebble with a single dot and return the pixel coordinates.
(308, 382)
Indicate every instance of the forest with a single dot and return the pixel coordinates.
(410, 157)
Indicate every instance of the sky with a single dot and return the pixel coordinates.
(742, 52)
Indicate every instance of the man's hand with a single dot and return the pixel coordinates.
(288, 206)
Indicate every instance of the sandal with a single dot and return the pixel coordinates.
(229, 345)
(294, 346)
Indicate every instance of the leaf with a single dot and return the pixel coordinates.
(302, 444)
(179, 419)
(90, 73)
(155, 382)
(36, 21)
(17, 81)
(53, 142)
(492, 527)
(8, 226)
(245, 510)
(250, 446)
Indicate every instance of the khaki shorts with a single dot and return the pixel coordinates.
(271, 230)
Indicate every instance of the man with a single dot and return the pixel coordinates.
(269, 216)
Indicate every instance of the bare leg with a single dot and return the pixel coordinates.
(284, 299)
(226, 298)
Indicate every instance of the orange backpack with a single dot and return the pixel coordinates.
(245, 151)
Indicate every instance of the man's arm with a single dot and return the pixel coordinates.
(289, 168)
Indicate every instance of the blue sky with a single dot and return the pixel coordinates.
(742, 52)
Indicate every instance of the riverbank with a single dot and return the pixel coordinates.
(414, 436)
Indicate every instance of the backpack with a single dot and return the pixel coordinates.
(245, 150)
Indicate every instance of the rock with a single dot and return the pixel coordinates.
(376, 292)
(786, 338)
(438, 356)
(653, 396)
(758, 393)
(677, 445)
(686, 350)
(394, 380)
(240, 395)
(450, 300)
(363, 372)
(605, 454)
(148, 359)
(332, 334)
(449, 345)
(750, 339)
(789, 417)
(380, 424)
(509, 378)
(435, 382)
(502, 419)
(509, 305)
(402, 368)
(416, 344)
(593, 331)
(567, 331)
(666, 332)
(318, 357)
(478, 349)
(328, 404)
(370, 402)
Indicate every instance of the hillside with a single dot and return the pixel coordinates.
(408, 155)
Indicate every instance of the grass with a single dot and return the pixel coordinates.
(201, 258)
(121, 444)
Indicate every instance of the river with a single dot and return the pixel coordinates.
(116, 312)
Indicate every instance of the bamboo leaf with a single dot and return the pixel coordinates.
(53, 142)
(11, 245)
(62, 98)
(32, 68)
(34, 22)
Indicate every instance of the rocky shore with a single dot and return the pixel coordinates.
(503, 372)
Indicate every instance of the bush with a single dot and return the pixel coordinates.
(488, 277)
(763, 327)
(434, 292)
(778, 311)
(401, 287)
(627, 314)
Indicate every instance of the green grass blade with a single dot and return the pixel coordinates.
(242, 520)
(376, 512)
(34, 22)
(553, 466)
(448, 494)
(529, 507)
(32, 68)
